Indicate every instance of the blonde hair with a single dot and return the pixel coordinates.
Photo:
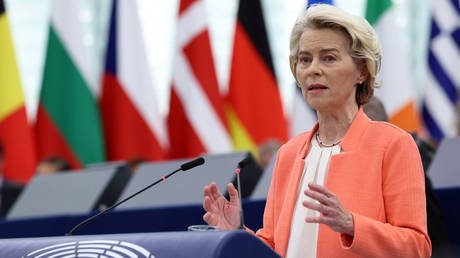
(364, 47)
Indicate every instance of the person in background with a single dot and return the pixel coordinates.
(350, 187)
(133, 164)
(52, 165)
(1, 162)
(266, 152)
(375, 110)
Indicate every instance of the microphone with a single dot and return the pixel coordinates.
(186, 166)
(191, 164)
(241, 165)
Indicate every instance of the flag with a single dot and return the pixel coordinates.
(16, 135)
(311, 2)
(68, 123)
(397, 91)
(443, 78)
(254, 106)
(133, 127)
(196, 120)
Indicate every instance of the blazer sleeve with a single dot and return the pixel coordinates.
(404, 234)
(266, 233)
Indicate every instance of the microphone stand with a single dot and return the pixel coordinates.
(238, 170)
(186, 166)
(241, 165)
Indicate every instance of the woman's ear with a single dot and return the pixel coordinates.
(363, 73)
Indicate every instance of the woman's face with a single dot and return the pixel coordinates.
(327, 74)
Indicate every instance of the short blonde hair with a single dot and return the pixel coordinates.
(364, 47)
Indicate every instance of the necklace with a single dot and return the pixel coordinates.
(326, 145)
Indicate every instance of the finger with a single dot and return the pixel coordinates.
(207, 204)
(325, 210)
(207, 191)
(312, 206)
(320, 189)
(215, 193)
(209, 219)
(321, 219)
(233, 193)
(318, 197)
(311, 219)
(206, 217)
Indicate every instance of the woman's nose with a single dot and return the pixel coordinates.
(314, 68)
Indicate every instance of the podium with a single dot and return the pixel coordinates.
(444, 175)
(222, 244)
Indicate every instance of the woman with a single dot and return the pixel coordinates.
(350, 187)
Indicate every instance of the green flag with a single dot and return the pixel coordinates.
(68, 123)
(397, 92)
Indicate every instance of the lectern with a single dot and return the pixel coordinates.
(222, 244)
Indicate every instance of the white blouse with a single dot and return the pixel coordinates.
(303, 236)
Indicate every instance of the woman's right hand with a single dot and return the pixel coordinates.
(220, 213)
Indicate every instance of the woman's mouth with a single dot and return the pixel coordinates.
(316, 87)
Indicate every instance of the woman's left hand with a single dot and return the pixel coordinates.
(331, 210)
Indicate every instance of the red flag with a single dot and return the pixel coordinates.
(16, 134)
(133, 127)
(255, 109)
(196, 121)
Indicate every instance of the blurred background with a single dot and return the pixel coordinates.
(404, 28)
(29, 21)
(86, 84)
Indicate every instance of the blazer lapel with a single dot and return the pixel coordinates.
(292, 192)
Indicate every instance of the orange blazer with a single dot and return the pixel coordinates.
(378, 177)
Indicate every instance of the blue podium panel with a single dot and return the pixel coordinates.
(220, 244)
(123, 221)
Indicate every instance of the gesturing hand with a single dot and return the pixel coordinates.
(220, 213)
(331, 210)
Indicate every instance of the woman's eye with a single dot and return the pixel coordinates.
(329, 58)
(304, 59)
